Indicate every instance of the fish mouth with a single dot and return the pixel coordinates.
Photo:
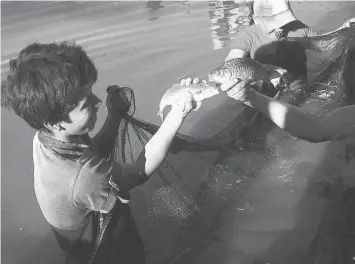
(212, 75)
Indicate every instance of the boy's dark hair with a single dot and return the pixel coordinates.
(46, 82)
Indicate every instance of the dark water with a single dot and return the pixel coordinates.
(148, 46)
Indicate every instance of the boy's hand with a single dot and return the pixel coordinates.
(117, 99)
(187, 81)
(183, 106)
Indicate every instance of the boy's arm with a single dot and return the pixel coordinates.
(156, 149)
(154, 152)
(100, 182)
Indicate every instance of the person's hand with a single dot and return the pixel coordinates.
(117, 99)
(183, 105)
(238, 91)
(187, 81)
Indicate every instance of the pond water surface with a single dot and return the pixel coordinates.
(148, 46)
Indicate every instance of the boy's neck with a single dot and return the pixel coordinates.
(79, 139)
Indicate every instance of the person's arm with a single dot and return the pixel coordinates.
(334, 126)
(157, 147)
(100, 182)
(236, 54)
(241, 45)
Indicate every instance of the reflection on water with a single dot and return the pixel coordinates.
(226, 17)
(154, 7)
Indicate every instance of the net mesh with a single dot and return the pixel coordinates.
(177, 209)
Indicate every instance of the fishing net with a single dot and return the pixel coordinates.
(177, 209)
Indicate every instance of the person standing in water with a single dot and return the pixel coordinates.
(50, 86)
(273, 20)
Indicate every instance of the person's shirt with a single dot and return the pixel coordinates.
(260, 45)
(71, 180)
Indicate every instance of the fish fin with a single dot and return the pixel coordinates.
(198, 105)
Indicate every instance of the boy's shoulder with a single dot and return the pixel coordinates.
(64, 151)
(57, 157)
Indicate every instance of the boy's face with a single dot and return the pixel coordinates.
(84, 116)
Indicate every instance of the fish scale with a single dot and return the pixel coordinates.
(248, 68)
(199, 91)
(244, 68)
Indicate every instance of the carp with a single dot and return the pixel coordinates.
(243, 68)
(199, 91)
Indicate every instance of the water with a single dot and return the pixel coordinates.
(148, 46)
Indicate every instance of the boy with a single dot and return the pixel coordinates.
(50, 87)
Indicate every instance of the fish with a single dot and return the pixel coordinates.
(241, 69)
(199, 91)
